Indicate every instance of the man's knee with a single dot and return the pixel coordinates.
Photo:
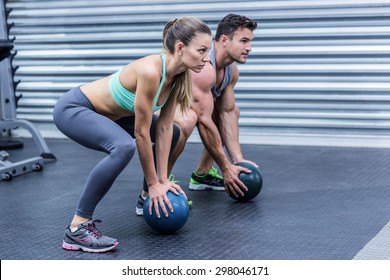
(176, 135)
(186, 123)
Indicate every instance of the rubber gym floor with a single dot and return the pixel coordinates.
(317, 203)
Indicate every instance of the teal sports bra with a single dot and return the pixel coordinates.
(126, 99)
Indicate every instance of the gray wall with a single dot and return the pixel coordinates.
(318, 69)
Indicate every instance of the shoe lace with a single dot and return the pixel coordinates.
(91, 227)
(214, 172)
(172, 178)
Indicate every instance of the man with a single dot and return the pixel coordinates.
(214, 111)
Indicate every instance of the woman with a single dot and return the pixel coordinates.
(115, 115)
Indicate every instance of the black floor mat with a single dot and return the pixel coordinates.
(316, 203)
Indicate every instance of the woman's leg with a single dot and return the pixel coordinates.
(74, 115)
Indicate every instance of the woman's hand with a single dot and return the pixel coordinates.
(158, 195)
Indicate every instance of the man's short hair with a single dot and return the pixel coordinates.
(232, 22)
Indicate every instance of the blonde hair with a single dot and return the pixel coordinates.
(183, 30)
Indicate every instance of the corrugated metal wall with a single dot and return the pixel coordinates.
(317, 67)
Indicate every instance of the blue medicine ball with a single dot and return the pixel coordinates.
(174, 221)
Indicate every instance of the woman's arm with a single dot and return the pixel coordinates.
(147, 84)
(148, 80)
(164, 133)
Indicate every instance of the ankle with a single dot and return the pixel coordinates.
(202, 172)
(144, 195)
(77, 220)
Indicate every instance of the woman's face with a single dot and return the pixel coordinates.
(196, 54)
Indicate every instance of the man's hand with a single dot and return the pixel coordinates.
(233, 184)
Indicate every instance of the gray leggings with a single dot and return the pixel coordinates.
(75, 116)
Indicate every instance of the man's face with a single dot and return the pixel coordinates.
(239, 46)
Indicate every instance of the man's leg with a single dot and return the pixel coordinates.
(205, 162)
(205, 176)
(187, 124)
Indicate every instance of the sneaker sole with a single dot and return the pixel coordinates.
(203, 187)
(139, 211)
(76, 247)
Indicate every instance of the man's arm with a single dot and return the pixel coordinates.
(203, 105)
(228, 114)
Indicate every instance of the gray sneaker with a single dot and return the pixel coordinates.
(88, 238)
(139, 209)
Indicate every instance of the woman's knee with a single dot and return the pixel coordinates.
(123, 151)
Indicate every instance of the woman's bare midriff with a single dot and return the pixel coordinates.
(99, 94)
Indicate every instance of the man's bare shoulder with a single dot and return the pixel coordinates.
(205, 79)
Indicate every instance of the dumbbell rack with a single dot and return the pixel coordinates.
(8, 100)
